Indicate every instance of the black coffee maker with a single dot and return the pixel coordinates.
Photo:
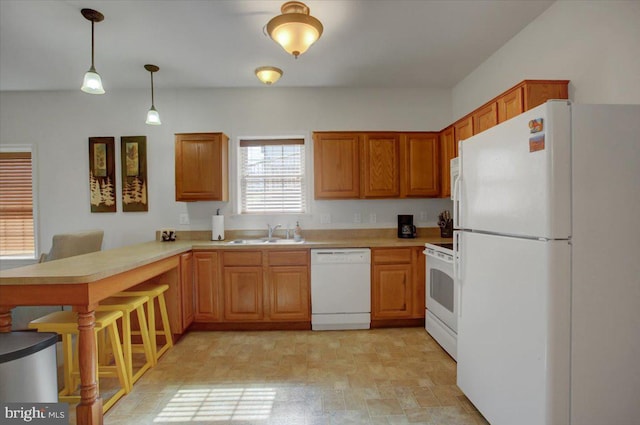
(406, 229)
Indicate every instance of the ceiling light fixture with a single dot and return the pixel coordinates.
(268, 74)
(153, 117)
(92, 82)
(295, 30)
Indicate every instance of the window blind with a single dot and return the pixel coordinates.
(17, 238)
(272, 176)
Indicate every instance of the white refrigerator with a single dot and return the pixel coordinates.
(548, 265)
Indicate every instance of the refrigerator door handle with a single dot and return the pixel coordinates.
(456, 270)
(456, 202)
(455, 254)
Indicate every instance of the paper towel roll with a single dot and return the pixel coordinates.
(217, 227)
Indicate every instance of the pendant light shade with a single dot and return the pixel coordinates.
(92, 82)
(268, 74)
(295, 30)
(153, 117)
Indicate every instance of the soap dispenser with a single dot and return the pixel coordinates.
(297, 233)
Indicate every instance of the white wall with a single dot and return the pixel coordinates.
(595, 44)
(59, 124)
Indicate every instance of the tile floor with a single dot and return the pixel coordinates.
(383, 376)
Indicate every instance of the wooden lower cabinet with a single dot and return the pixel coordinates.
(207, 286)
(391, 286)
(237, 289)
(243, 294)
(186, 285)
(397, 285)
(288, 288)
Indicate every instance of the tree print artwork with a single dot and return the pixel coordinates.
(102, 193)
(133, 153)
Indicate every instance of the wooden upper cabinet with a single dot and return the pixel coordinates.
(485, 117)
(202, 167)
(336, 160)
(510, 104)
(529, 94)
(420, 159)
(536, 92)
(380, 165)
(463, 128)
(448, 151)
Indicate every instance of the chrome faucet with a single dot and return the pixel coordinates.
(272, 229)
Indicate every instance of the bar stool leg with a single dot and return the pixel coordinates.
(67, 355)
(166, 328)
(146, 342)
(114, 340)
(151, 322)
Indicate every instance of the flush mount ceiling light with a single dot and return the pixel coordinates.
(92, 82)
(295, 30)
(153, 118)
(268, 74)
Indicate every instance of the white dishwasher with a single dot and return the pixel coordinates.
(340, 289)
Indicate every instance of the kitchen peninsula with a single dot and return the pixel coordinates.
(83, 281)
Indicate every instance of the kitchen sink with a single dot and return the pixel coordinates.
(246, 241)
(264, 241)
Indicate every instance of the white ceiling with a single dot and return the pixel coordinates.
(46, 44)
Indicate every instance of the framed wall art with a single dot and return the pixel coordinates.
(133, 153)
(102, 175)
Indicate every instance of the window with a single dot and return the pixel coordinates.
(272, 176)
(17, 228)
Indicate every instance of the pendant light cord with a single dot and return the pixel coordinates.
(152, 106)
(92, 48)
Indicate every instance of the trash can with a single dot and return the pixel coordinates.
(28, 367)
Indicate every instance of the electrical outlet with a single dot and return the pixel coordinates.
(372, 217)
(423, 216)
(357, 218)
(325, 218)
(184, 219)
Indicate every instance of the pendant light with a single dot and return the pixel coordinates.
(268, 74)
(295, 30)
(153, 118)
(92, 82)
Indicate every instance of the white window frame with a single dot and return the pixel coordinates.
(308, 151)
(34, 193)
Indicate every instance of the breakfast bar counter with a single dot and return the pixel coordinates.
(82, 282)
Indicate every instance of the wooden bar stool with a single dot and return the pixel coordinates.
(65, 323)
(154, 292)
(129, 305)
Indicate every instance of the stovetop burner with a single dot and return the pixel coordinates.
(445, 245)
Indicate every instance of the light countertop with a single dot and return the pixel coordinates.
(102, 264)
